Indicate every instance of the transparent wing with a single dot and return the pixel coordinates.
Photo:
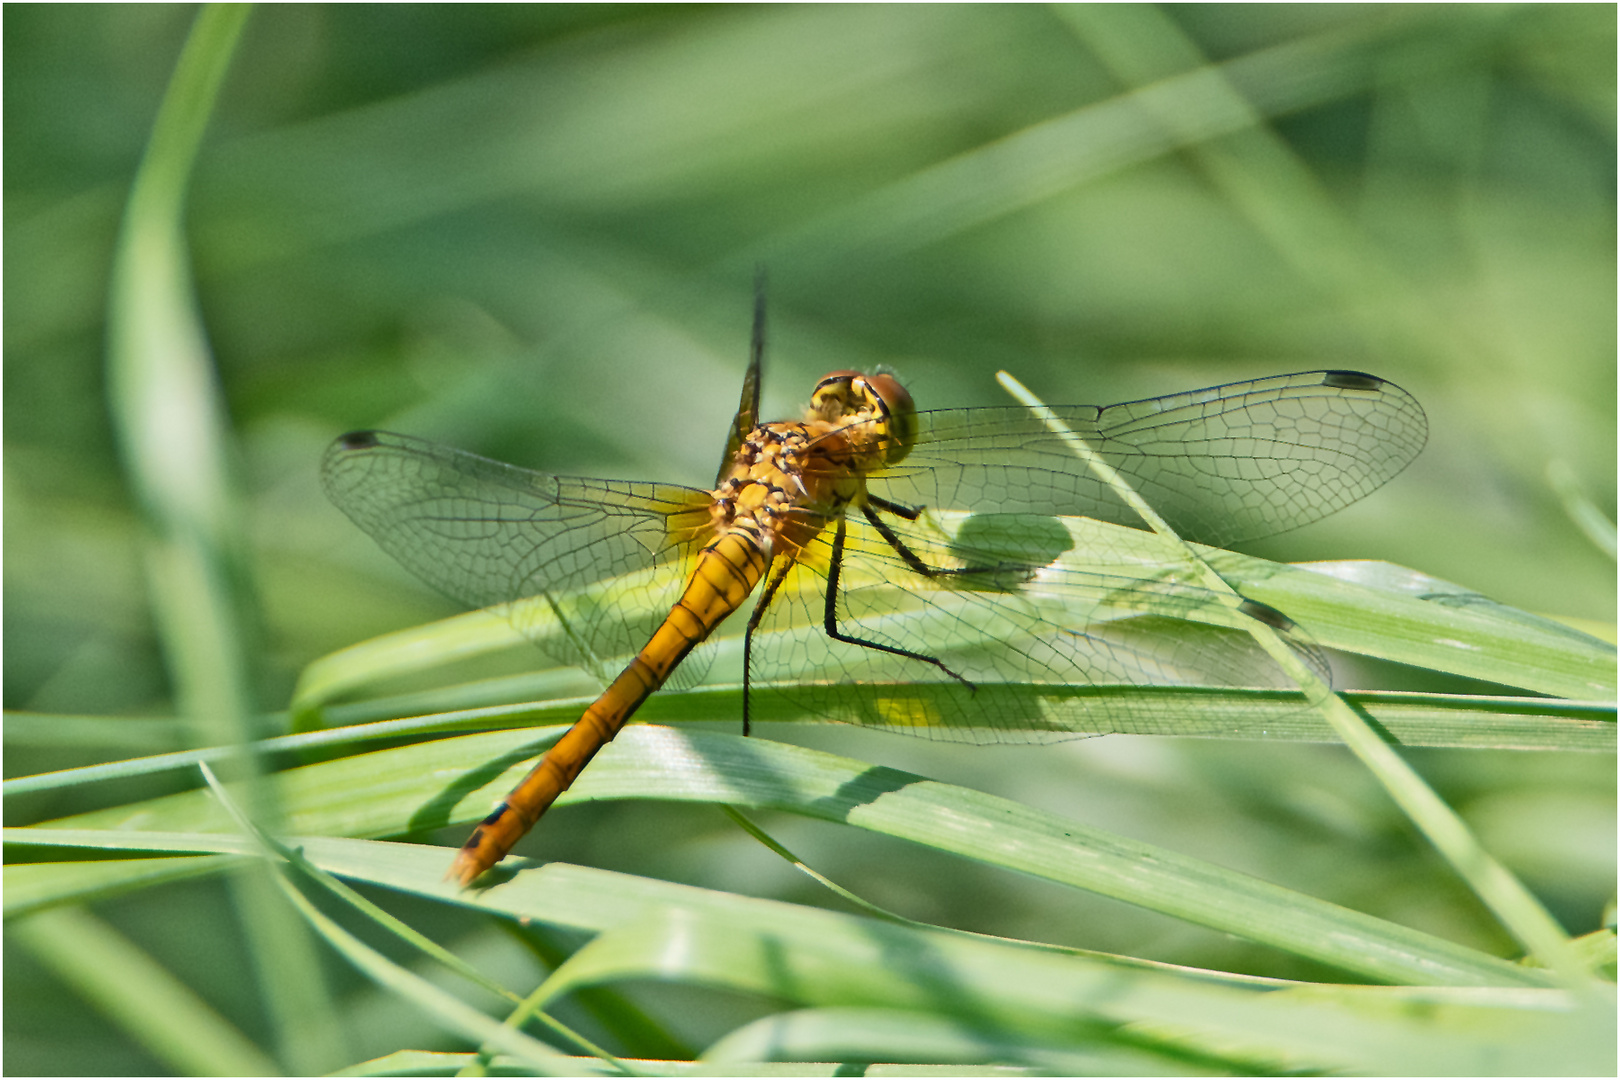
(491, 534)
(1021, 643)
(1229, 463)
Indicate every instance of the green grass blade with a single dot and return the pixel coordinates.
(1410, 719)
(428, 1063)
(412, 789)
(172, 428)
(879, 1034)
(443, 1009)
(31, 887)
(1372, 609)
(1037, 163)
(819, 954)
(166, 404)
(1504, 894)
(137, 993)
(474, 633)
(387, 922)
(1581, 509)
(1394, 613)
(825, 960)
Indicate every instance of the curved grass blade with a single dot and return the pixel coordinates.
(1021, 995)
(411, 789)
(1371, 609)
(1514, 905)
(145, 1000)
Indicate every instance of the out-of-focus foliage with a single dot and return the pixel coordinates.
(531, 232)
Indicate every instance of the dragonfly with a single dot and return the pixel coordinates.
(905, 567)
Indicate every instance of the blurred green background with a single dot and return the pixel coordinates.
(531, 232)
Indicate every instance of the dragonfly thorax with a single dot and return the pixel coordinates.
(787, 480)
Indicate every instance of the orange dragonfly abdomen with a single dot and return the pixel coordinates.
(726, 572)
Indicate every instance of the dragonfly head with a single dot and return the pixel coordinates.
(878, 401)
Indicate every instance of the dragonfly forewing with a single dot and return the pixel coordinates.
(1226, 464)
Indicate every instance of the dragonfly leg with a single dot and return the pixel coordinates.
(910, 513)
(830, 617)
(772, 583)
(911, 558)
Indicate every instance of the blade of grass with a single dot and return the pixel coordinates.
(1257, 172)
(873, 911)
(766, 841)
(1043, 160)
(473, 633)
(632, 1025)
(173, 434)
(431, 1063)
(1513, 904)
(878, 1034)
(1388, 612)
(444, 1007)
(166, 404)
(1517, 1024)
(476, 719)
(828, 959)
(1580, 508)
(31, 887)
(273, 849)
(1411, 719)
(444, 1010)
(402, 790)
(157, 1010)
